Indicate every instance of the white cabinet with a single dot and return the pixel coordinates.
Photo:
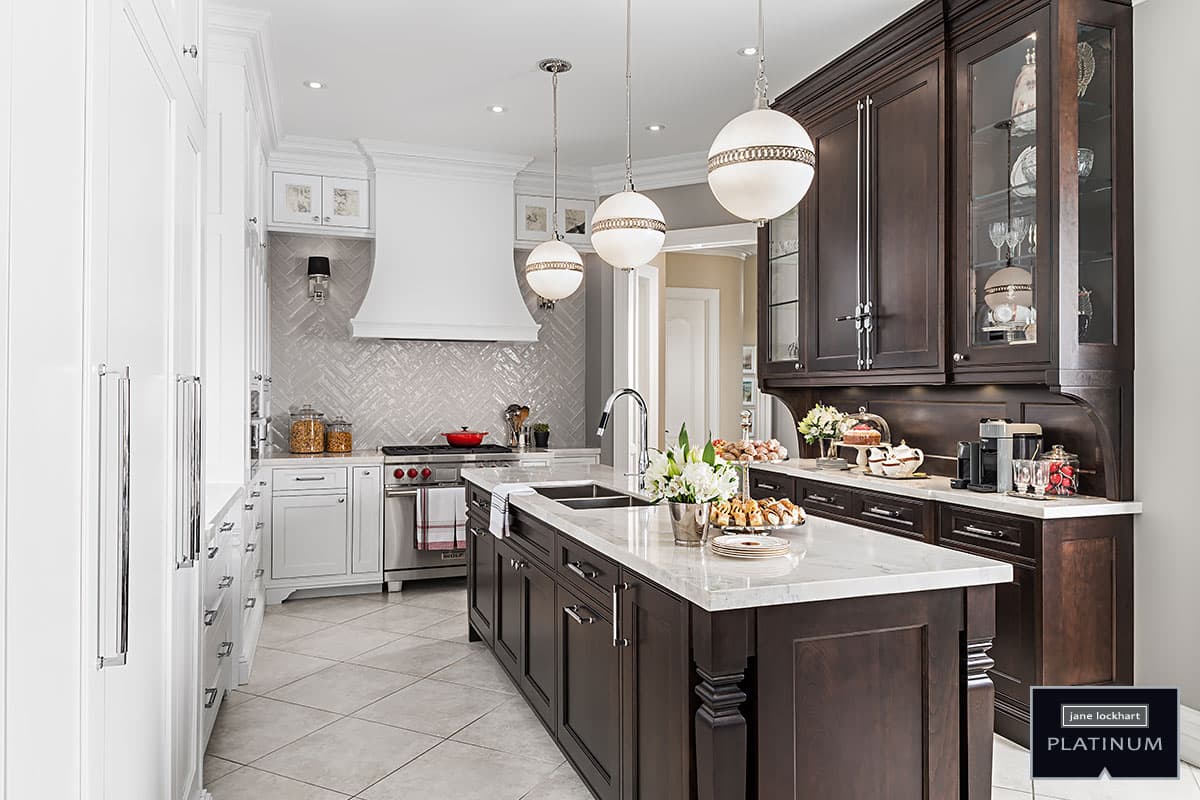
(308, 535)
(321, 201)
(366, 525)
(249, 574)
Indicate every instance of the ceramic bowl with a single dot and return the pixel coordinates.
(893, 468)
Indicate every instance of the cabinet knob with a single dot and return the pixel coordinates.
(192, 50)
(959, 358)
(254, 220)
(797, 366)
(327, 219)
(316, 218)
(341, 499)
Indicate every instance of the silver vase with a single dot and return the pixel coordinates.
(689, 523)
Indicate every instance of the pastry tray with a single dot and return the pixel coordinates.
(756, 529)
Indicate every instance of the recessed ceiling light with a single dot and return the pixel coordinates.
(748, 51)
(655, 127)
(497, 109)
(314, 84)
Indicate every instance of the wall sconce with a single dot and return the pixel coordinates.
(318, 278)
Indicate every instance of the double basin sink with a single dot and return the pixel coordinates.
(589, 496)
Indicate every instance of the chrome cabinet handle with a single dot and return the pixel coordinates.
(573, 613)
(226, 527)
(770, 487)
(578, 568)
(517, 564)
(883, 512)
(959, 358)
(820, 498)
(256, 494)
(248, 507)
(258, 526)
(123, 518)
(866, 274)
(198, 463)
(251, 547)
(212, 552)
(210, 697)
(258, 573)
(225, 582)
(210, 617)
(858, 219)
(225, 649)
(251, 602)
(185, 473)
(307, 478)
(479, 503)
(983, 531)
(618, 641)
(478, 532)
(254, 221)
(192, 50)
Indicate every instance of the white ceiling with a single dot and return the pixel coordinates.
(425, 71)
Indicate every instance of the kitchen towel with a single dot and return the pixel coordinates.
(441, 518)
(498, 523)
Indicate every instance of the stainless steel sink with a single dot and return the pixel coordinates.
(610, 501)
(576, 491)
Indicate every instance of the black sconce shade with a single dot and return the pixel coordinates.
(318, 265)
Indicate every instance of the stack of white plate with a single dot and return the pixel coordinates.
(744, 546)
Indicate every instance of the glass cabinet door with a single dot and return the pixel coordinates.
(1097, 277)
(783, 289)
(1004, 89)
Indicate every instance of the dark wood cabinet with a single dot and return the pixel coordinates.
(539, 654)
(507, 622)
(481, 581)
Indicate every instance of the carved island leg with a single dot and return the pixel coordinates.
(721, 644)
(979, 694)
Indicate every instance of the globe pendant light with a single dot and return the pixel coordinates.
(554, 269)
(762, 162)
(628, 229)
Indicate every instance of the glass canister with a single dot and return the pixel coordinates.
(339, 436)
(1063, 471)
(307, 431)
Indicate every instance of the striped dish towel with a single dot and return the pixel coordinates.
(441, 518)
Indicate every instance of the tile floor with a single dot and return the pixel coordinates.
(381, 697)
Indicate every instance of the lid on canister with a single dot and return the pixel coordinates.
(305, 411)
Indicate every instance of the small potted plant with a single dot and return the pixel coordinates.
(820, 425)
(690, 479)
(541, 434)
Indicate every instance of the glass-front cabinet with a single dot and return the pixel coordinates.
(781, 297)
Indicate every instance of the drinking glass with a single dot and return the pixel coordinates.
(1040, 474)
(998, 233)
(1015, 234)
(1022, 474)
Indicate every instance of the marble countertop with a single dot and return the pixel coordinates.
(282, 458)
(938, 488)
(829, 560)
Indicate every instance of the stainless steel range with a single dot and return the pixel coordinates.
(410, 471)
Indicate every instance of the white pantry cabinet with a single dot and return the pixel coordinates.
(320, 200)
(366, 524)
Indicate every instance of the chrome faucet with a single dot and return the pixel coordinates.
(644, 432)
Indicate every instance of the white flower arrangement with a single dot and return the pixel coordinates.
(685, 474)
(821, 422)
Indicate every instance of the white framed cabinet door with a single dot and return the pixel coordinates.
(296, 198)
(346, 202)
(308, 535)
(366, 526)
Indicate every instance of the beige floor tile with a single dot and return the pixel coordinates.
(340, 642)
(248, 732)
(1182, 789)
(454, 771)
(343, 688)
(333, 609)
(1195, 774)
(252, 784)
(1010, 765)
(236, 698)
(414, 655)
(481, 670)
(349, 755)
(448, 595)
(433, 707)
(564, 784)
(453, 629)
(275, 668)
(215, 768)
(513, 728)
(280, 628)
(403, 618)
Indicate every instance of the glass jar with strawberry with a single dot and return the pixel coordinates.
(1063, 469)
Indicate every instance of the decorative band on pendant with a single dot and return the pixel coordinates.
(762, 152)
(1008, 288)
(569, 266)
(627, 223)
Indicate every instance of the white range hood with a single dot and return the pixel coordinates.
(444, 264)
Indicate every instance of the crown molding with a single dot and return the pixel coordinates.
(684, 169)
(573, 182)
(310, 154)
(237, 35)
(738, 239)
(429, 161)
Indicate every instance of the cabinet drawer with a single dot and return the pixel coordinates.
(994, 534)
(771, 484)
(586, 568)
(533, 537)
(824, 499)
(894, 514)
(309, 479)
(217, 639)
(478, 501)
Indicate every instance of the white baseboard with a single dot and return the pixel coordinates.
(1189, 735)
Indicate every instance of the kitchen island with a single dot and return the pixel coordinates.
(856, 667)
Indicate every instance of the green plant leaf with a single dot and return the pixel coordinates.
(683, 437)
(710, 454)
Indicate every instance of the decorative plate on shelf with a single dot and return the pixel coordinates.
(1023, 178)
(1087, 67)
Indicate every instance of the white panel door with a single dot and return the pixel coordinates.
(691, 368)
(346, 202)
(308, 536)
(296, 198)
(366, 526)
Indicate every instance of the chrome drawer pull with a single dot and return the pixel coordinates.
(225, 650)
(258, 573)
(226, 527)
(210, 697)
(573, 613)
(251, 602)
(479, 503)
(248, 507)
(883, 512)
(770, 487)
(577, 568)
(983, 531)
(478, 532)
(250, 548)
(258, 526)
(256, 494)
(820, 498)
(209, 618)
(212, 552)
(225, 582)
(311, 478)
(517, 564)
(616, 615)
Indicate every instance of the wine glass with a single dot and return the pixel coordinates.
(1040, 478)
(998, 233)
(1016, 234)
(1033, 237)
(1022, 469)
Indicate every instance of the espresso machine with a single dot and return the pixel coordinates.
(986, 465)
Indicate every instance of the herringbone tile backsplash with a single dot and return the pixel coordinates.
(400, 392)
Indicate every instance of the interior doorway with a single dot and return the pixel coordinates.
(692, 368)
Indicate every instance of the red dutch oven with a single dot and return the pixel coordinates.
(465, 438)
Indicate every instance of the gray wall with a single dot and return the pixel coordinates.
(1167, 547)
(598, 281)
(398, 392)
(692, 206)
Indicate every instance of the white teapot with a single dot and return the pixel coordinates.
(875, 458)
(910, 458)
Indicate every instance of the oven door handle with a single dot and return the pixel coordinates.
(400, 492)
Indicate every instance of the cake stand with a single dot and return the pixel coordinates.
(861, 461)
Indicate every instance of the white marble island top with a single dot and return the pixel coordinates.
(829, 560)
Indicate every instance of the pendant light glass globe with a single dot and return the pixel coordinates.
(554, 270)
(628, 230)
(761, 165)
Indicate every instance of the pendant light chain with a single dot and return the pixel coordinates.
(760, 85)
(628, 103)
